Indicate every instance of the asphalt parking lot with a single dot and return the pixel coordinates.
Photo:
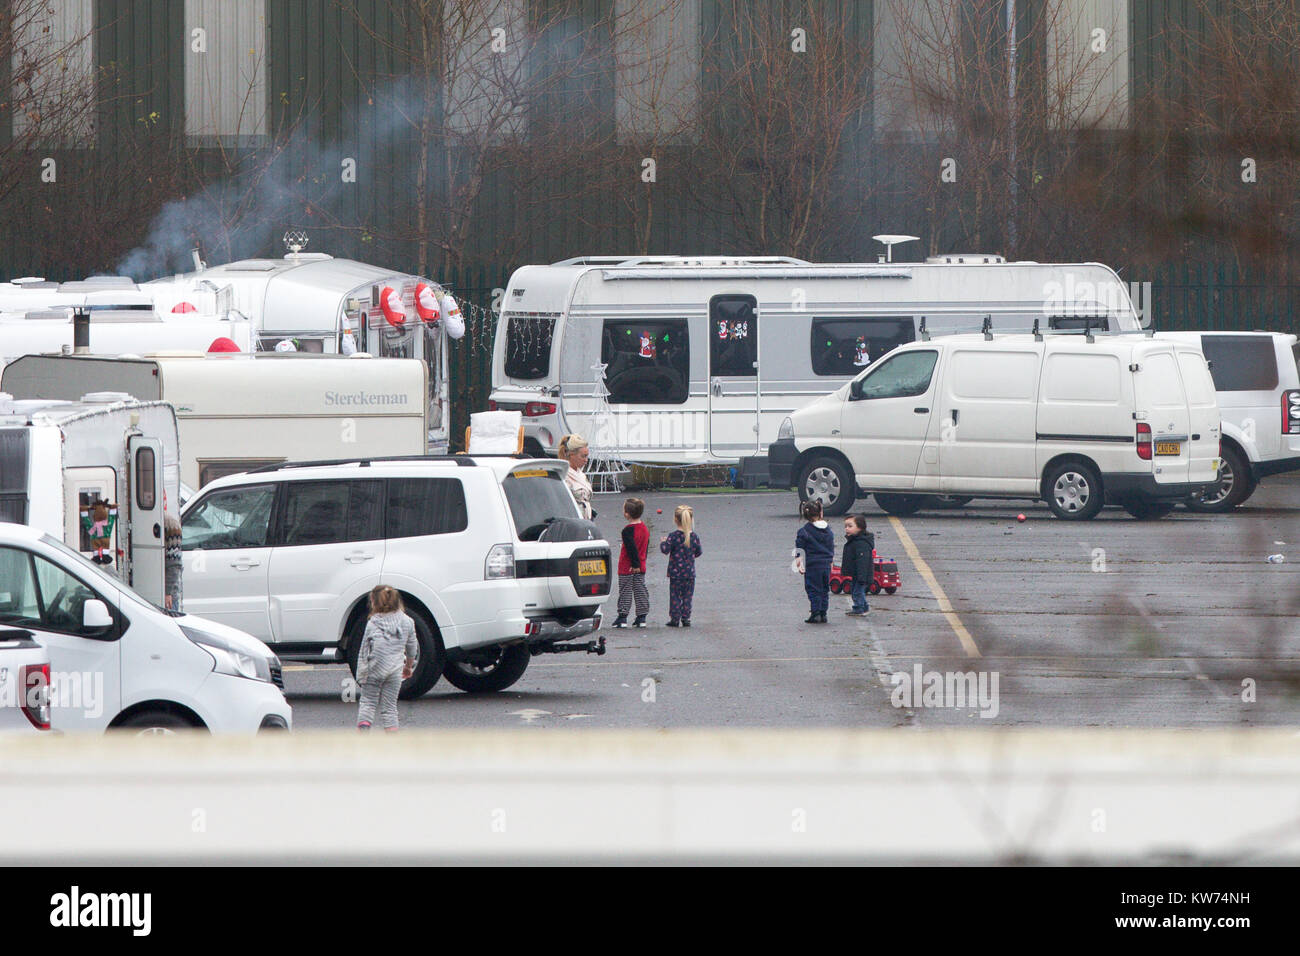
(1115, 622)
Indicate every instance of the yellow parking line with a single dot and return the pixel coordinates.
(963, 635)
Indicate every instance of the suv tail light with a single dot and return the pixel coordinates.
(1144, 441)
(538, 409)
(35, 680)
(1291, 412)
(500, 562)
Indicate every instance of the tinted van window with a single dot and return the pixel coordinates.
(1241, 363)
(420, 506)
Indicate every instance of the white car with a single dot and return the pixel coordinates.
(117, 661)
(24, 683)
(489, 553)
(1257, 380)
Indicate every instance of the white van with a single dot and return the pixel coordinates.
(117, 661)
(1257, 378)
(239, 412)
(1075, 420)
(705, 356)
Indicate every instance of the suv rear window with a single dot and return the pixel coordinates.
(528, 346)
(1241, 363)
(420, 506)
(533, 498)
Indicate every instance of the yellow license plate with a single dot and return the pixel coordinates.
(1169, 448)
(587, 568)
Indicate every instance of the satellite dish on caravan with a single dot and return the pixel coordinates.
(889, 241)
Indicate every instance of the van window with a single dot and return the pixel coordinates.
(145, 482)
(898, 377)
(647, 363)
(535, 498)
(13, 475)
(19, 605)
(329, 512)
(1241, 363)
(228, 519)
(39, 594)
(846, 346)
(1070, 377)
(1159, 382)
(994, 375)
(528, 346)
(420, 506)
(733, 335)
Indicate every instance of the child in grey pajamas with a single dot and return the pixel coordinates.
(387, 657)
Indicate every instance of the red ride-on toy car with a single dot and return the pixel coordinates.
(885, 577)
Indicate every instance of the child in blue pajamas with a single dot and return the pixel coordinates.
(815, 542)
(682, 548)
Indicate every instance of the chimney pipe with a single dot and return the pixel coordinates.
(81, 332)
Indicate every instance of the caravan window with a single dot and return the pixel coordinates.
(1078, 323)
(733, 335)
(13, 476)
(648, 363)
(846, 346)
(528, 346)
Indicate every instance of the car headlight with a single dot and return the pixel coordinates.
(786, 430)
(229, 659)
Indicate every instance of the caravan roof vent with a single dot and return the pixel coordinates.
(966, 259)
(106, 398)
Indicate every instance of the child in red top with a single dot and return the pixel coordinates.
(631, 565)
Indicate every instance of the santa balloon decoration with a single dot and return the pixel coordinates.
(391, 304)
(426, 304)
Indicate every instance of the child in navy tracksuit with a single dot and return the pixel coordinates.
(682, 548)
(816, 544)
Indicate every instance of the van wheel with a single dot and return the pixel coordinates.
(890, 590)
(1073, 491)
(489, 669)
(900, 505)
(1234, 487)
(429, 662)
(155, 722)
(1147, 510)
(829, 481)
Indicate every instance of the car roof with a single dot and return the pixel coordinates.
(401, 466)
(20, 532)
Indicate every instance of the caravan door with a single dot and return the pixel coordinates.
(145, 508)
(734, 392)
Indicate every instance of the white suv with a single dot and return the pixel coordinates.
(1257, 379)
(489, 553)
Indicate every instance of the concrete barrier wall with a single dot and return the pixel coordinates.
(982, 796)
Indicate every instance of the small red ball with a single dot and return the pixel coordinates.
(1020, 517)
(659, 511)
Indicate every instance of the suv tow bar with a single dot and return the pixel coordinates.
(591, 647)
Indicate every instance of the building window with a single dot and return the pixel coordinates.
(52, 74)
(847, 346)
(647, 363)
(225, 72)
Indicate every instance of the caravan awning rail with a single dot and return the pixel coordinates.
(794, 271)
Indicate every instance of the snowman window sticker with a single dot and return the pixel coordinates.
(861, 353)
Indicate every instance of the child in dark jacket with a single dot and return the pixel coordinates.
(816, 543)
(631, 565)
(858, 562)
(682, 548)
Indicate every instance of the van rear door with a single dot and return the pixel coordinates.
(1203, 410)
(1161, 404)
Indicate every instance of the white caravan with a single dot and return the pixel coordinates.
(58, 459)
(239, 412)
(319, 303)
(1076, 420)
(704, 357)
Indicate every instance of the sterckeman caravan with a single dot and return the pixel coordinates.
(704, 357)
(313, 302)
